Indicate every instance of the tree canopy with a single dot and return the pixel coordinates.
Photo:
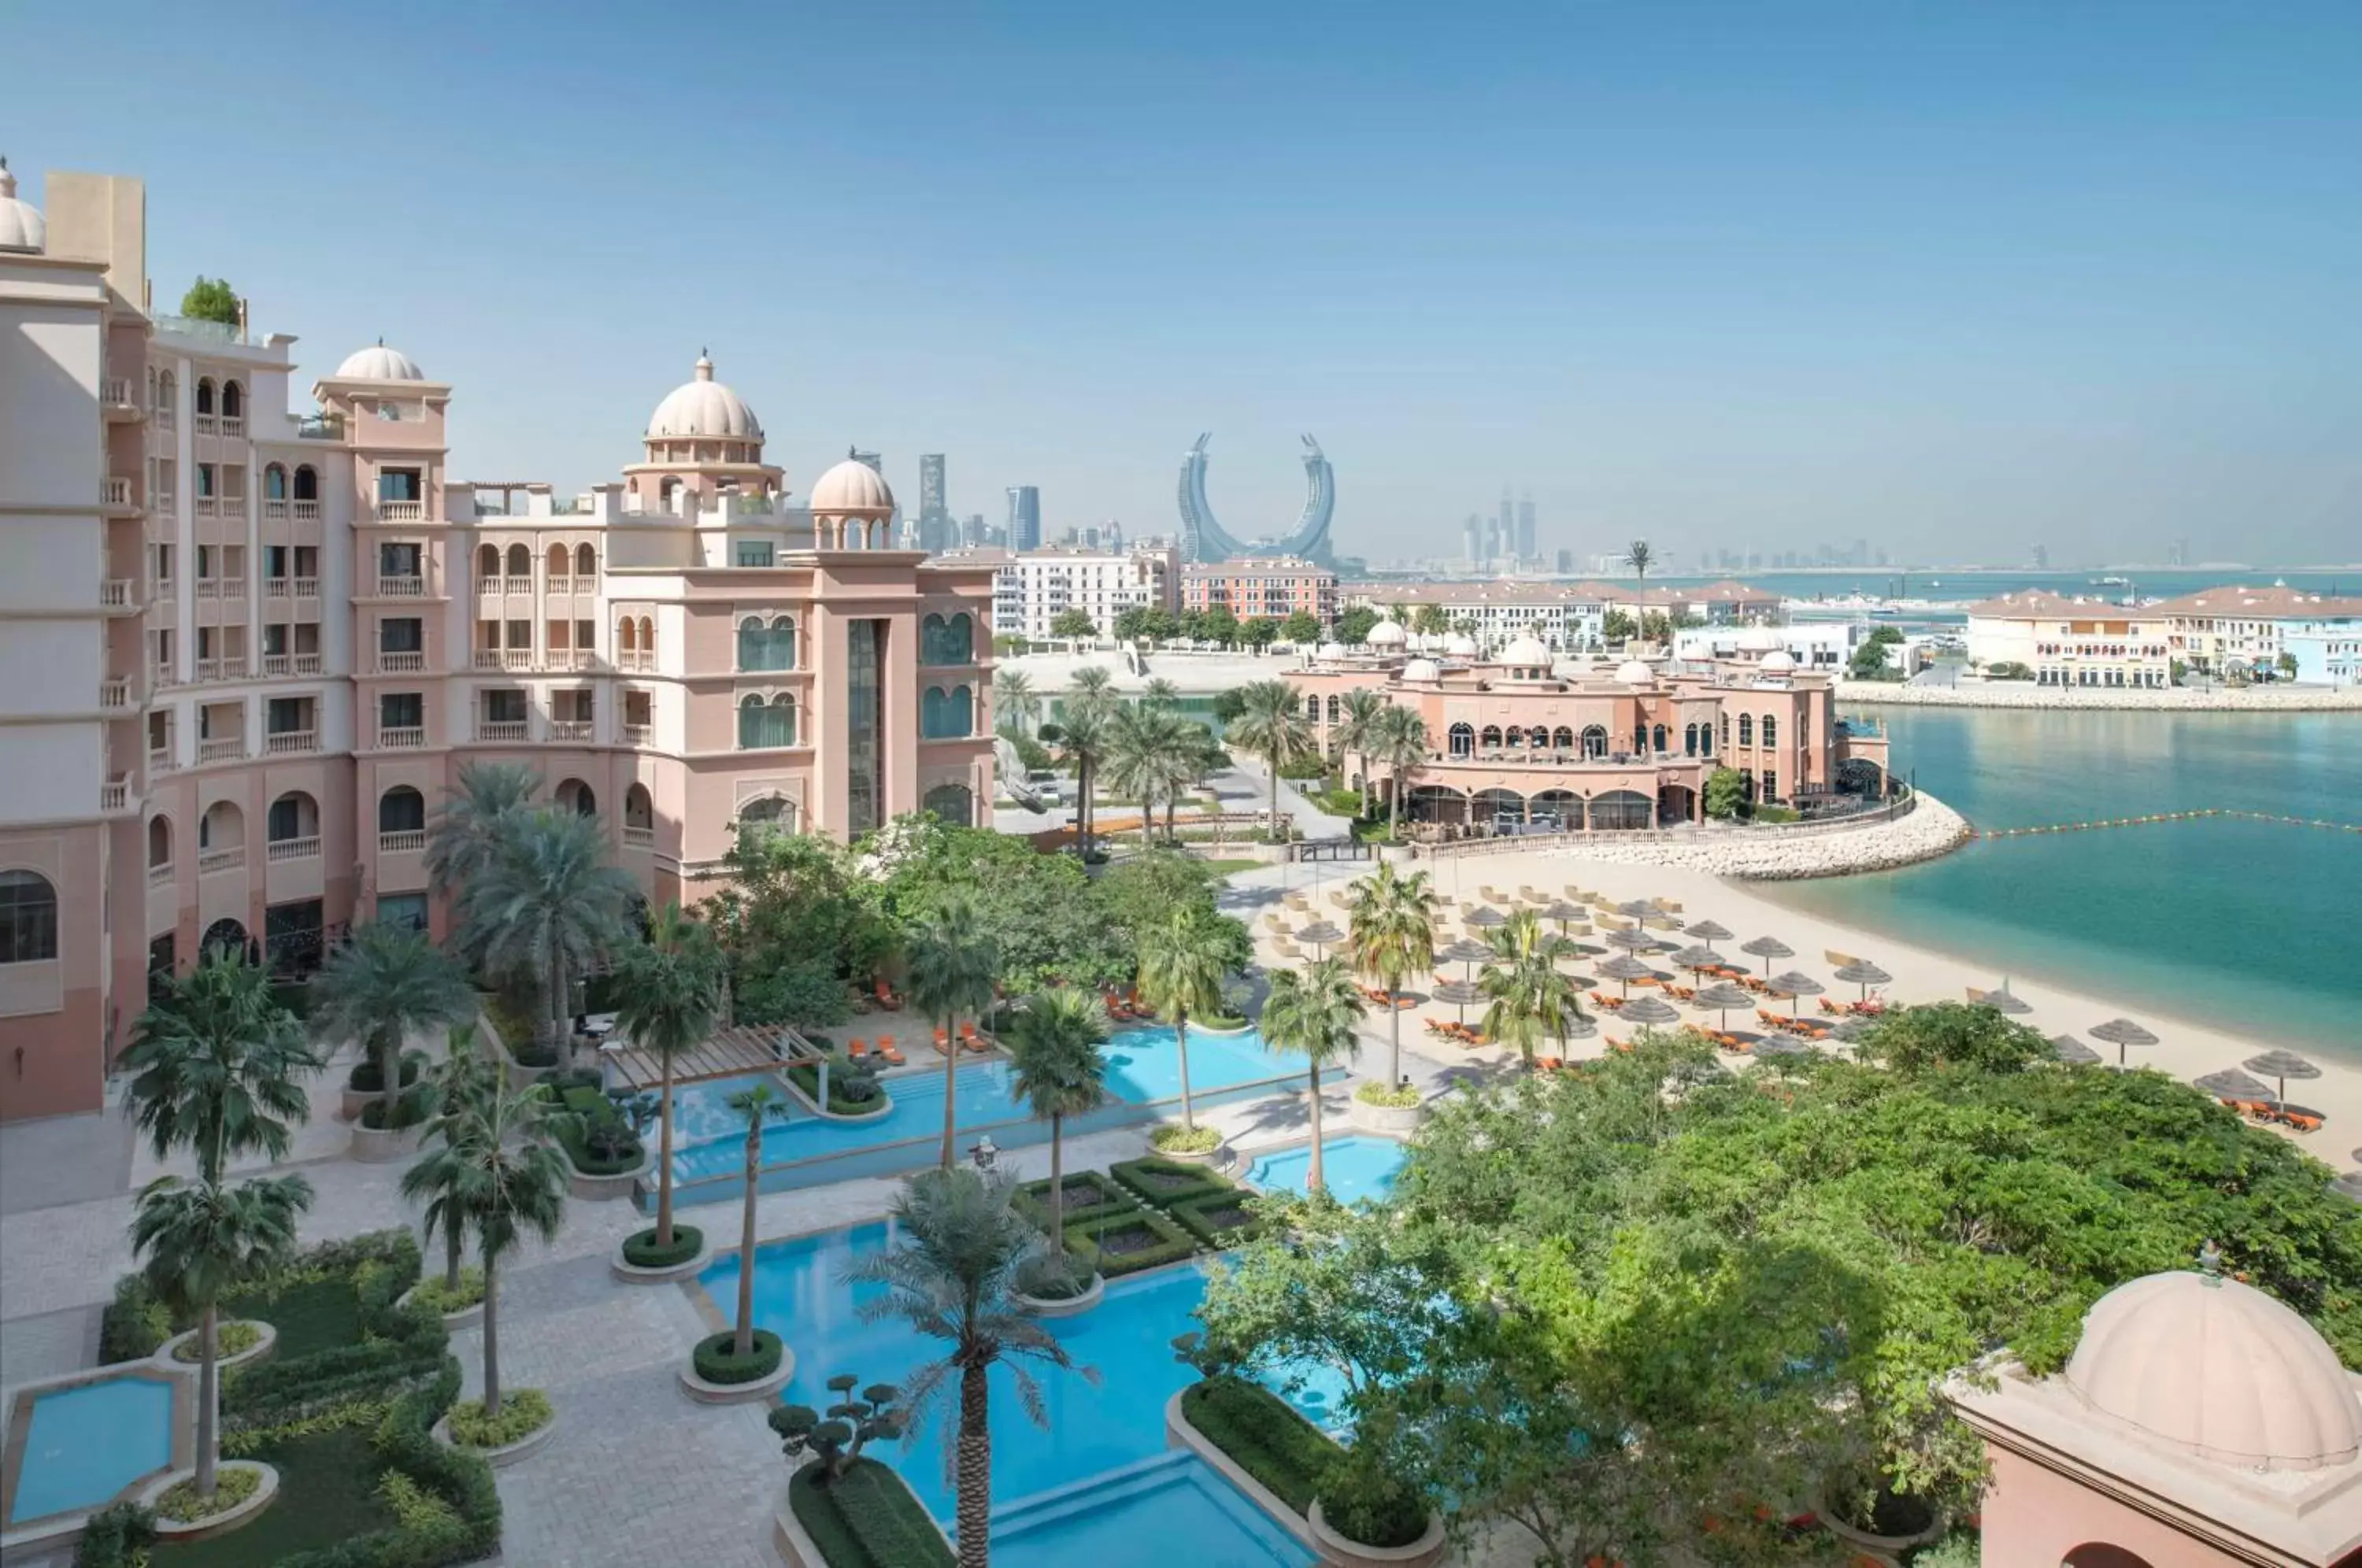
(211, 299)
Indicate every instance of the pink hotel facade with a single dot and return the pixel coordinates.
(243, 655)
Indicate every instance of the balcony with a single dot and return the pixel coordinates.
(229, 748)
(115, 694)
(209, 587)
(401, 737)
(320, 427)
(571, 659)
(207, 424)
(402, 587)
(212, 668)
(491, 587)
(639, 837)
(401, 511)
(636, 735)
(307, 587)
(233, 588)
(569, 729)
(303, 511)
(115, 594)
(114, 392)
(160, 676)
(294, 849)
(501, 729)
(233, 427)
(639, 659)
(274, 511)
(118, 492)
(409, 841)
(161, 761)
(292, 743)
(290, 663)
(161, 876)
(505, 658)
(400, 663)
(209, 506)
(115, 795)
(214, 862)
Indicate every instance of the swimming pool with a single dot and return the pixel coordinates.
(86, 1442)
(1354, 1167)
(1133, 1517)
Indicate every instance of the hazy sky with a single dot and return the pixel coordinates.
(1961, 278)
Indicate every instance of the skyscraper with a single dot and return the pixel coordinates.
(1505, 535)
(1024, 517)
(1475, 527)
(934, 511)
(1526, 546)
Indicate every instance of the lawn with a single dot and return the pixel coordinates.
(310, 1315)
(1218, 869)
(328, 1494)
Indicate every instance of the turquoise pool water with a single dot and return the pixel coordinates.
(1144, 1067)
(1136, 1517)
(1354, 1167)
(85, 1444)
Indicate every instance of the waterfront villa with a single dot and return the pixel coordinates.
(1565, 617)
(2072, 642)
(2220, 630)
(264, 643)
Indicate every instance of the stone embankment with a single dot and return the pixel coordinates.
(1773, 854)
(2170, 700)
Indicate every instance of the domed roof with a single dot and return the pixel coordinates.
(1422, 669)
(1387, 634)
(1778, 661)
(851, 486)
(704, 406)
(1460, 644)
(2218, 1369)
(1632, 672)
(1758, 639)
(379, 363)
(22, 226)
(1330, 650)
(1526, 651)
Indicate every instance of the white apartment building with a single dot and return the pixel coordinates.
(1033, 588)
(2217, 630)
(2072, 642)
(1814, 645)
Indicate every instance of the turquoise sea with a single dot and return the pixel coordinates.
(2253, 926)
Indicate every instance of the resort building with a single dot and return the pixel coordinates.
(1565, 617)
(1814, 645)
(266, 643)
(1522, 740)
(1031, 588)
(2072, 642)
(1261, 588)
(2233, 629)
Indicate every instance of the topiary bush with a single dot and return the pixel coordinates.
(866, 1516)
(1263, 1435)
(1219, 1219)
(368, 1077)
(1126, 1243)
(640, 1249)
(1164, 1183)
(408, 1111)
(716, 1362)
(1402, 1096)
(523, 1412)
(1176, 1139)
(1088, 1196)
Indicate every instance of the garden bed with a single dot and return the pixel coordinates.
(1165, 1182)
(805, 1076)
(597, 1119)
(1088, 1196)
(867, 1519)
(1128, 1242)
(1263, 1435)
(1219, 1219)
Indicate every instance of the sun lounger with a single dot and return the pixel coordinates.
(2297, 1119)
(887, 999)
(890, 1054)
(856, 1049)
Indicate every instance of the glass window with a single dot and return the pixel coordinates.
(403, 909)
(402, 635)
(754, 552)
(1770, 730)
(28, 918)
(1747, 729)
(401, 711)
(946, 715)
(763, 724)
(398, 560)
(401, 809)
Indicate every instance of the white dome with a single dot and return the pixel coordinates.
(1778, 661)
(22, 226)
(704, 406)
(1387, 634)
(1460, 644)
(1758, 639)
(2218, 1369)
(1422, 669)
(379, 363)
(851, 486)
(1330, 650)
(1632, 672)
(1526, 651)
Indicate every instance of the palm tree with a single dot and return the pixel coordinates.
(1640, 558)
(962, 1250)
(200, 1240)
(215, 1063)
(1356, 730)
(953, 965)
(671, 995)
(1532, 1000)
(1054, 1043)
(386, 983)
(469, 824)
(1151, 750)
(1272, 726)
(1314, 1015)
(1014, 698)
(1401, 743)
(1160, 692)
(1181, 966)
(514, 1185)
(1092, 683)
(461, 1084)
(1088, 731)
(1392, 930)
(545, 907)
(761, 1106)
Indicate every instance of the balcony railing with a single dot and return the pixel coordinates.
(401, 511)
(274, 510)
(307, 587)
(206, 424)
(276, 587)
(115, 795)
(401, 737)
(569, 729)
(114, 693)
(209, 587)
(214, 862)
(505, 658)
(211, 668)
(228, 748)
(160, 592)
(234, 426)
(115, 594)
(209, 506)
(164, 504)
(161, 760)
(491, 587)
(233, 588)
(402, 587)
(290, 663)
(303, 511)
(501, 729)
(636, 735)
(161, 876)
(294, 848)
(114, 392)
(404, 841)
(292, 743)
(639, 837)
(571, 659)
(558, 584)
(400, 663)
(635, 659)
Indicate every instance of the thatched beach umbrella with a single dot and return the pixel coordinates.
(1631, 941)
(1625, 968)
(2122, 1032)
(1487, 919)
(2001, 1002)
(1695, 957)
(1638, 909)
(1564, 912)
(1319, 933)
(2232, 1083)
(1460, 994)
(2071, 1050)
(1860, 972)
(2282, 1065)
(1722, 998)
(1782, 1046)
(1850, 1030)
(1706, 930)
(1463, 952)
(1767, 948)
(1653, 1011)
(1793, 985)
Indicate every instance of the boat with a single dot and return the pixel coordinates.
(2110, 582)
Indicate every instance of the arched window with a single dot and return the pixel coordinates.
(1332, 708)
(947, 640)
(1689, 740)
(224, 936)
(1538, 737)
(1770, 732)
(160, 841)
(222, 827)
(952, 803)
(1562, 739)
(1640, 740)
(575, 796)
(520, 561)
(402, 810)
(1595, 740)
(766, 725)
(28, 918)
(1513, 739)
(1312, 710)
(586, 561)
(668, 495)
(1621, 809)
(1706, 739)
(1725, 732)
(639, 807)
(771, 811)
(647, 637)
(1747, 729)
(627, 637)
(2098, 1554)
(1490, 739)
(293, 815)
(946, 715)
(205, 394)
(559, 560)
(167, 393)
(488, 563)
(233, 400)
(1661, 737)
(275, 481)
(771, 646)
(1461, 740)
(307, 482)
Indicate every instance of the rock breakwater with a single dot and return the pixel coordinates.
(1772, 855)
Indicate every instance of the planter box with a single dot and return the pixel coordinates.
(605, 1188)
(375, 1146)
(795, 1546)
(257, 1351)
(796, 1092)
(1063, 1307)
(633, 1273)
(220, 1523)
(501, 1458)
(1219, 1157)
(1391, 1120)
(1887, 1549)
(761, 1389)
(465, 1318)
(1179, 1433)
(1335, 1549)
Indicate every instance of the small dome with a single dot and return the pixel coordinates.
(1632, 672)
(22, 226)
(1778, 661)
(1422, 669)
(379, 363)
(851, 486)
(1387, 634)
(1758, 639)
(1526, 653)
(704, 406)
(1460, 644)
(2218, 1369)
(1330, 650)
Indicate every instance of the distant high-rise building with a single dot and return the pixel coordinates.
(1527, 550)
(1506, 530)
(2041, 558)
(972, 532)
(1566, 563)
(934, 513)
(1024, 526)
(2177, 552)
(1475, 527)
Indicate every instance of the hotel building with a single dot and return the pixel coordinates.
(2218, 630)
(1261, 588)
(1033, 588)
(1565, 617)
(2072, 642)
(248, 651)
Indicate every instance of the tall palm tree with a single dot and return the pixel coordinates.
(953, 965)
(1014, 698)
(515, 1186)
(760, 1107)
(1182, 965)
(1272, 726)
(1314, 1015)
(199, 1240)
(545, 907)
(1640, 556)
(670, 996)
(1531, 999)
(1093, 682)
(1401, 743)
(1391, 929)
(386, 983)
(461, 1083)
(962, 1250)
(1089, 730)
(1055, 1041)
(1192, 753)
(1149, 752)
(1358, 718)
(470, 823)
(215, 1065)
(1160, 692)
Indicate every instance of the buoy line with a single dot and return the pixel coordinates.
(2226, 812)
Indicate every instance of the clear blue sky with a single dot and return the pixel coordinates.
(1961, 277)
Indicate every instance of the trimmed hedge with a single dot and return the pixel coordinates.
(593, 1114)
(867, 1519)
(1170, 1243)
(1112, 1199)
(1263, 1435)
(407, 1113)
(713, 1361)
(640, 1249)
(366, 1077)
(1164, 1183)
(806, 1076)
(1196, 1216)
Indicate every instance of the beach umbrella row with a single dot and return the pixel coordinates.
(1793, 985)
(2122, 1032)
(1722, 998)
(1625, 968)
(1865, 975)
(2282, 1065)
(1651, 1010)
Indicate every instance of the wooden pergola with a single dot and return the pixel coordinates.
(724, 1053)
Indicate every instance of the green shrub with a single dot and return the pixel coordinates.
(1263, 1435)
(135, 1325)
(852, 1090)
(229, 1339)
(1774, 813)
(406, 1113)
(438, 1298)
(562, 1081)
(116, 1537)
(368, 1077)
(233, 1484)
(1088, 1195)
(640, 1249)
(1364, 1500)
(715, 1362)
(523, 1411)
(1402, 1096)
(1176, 1139)
(1164, 1183)
(1961, 1549)
(595, 1137)
(867, 1519)
(1219, 1219)
(1220, 1023)
(1126, 1243)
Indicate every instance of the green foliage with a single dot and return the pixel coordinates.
(1725, 793)
(229, 1340)
(217, 1065)
(1353, 625)
(368, 1076)
(867, 1519)
(1948, 1034)
(1619, 626)
(1364, 1497)
(1176, 1139)
(1229, 704)
(1339, 803)
(1118, 1245)
(834, 1442)
(1961, 1549)
(716, 1362)
(233, 1485)
(441, 1300)
(1398, 1097)
(523, 1412)
(595, 1136)
(135, 1324)
(1263, 1435)
(415, 1510)
(1770, 813)
(1073, 623)
(1219, 1219)
(852, 1088)
(117, 1536)
(640, 1249)
(210, 299)
(1164, 1183)
(1302, 627)
(1086, 1196)
(2008, 670)
(1869, 662)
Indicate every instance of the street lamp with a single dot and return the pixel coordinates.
(983, 1152)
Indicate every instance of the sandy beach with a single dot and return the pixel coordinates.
(2184, 1050)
